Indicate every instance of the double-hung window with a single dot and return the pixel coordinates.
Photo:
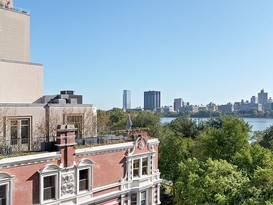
(49, 189)
(49, 183)
(84, 180)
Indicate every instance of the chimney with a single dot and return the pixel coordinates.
(66, 144)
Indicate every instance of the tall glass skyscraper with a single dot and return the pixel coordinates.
(152, 100)
(126, 99)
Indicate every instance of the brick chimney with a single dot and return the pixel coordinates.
(66, 144)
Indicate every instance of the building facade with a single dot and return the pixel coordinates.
(20, 80)
(152, 100)
(177, 104)
(262, 97)
(126, 99)
(123, 174)
(28, 120)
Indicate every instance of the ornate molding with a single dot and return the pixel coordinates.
(68, 184)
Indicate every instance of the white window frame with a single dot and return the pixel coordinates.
(6, 180)
(138, 198)
(140, 166)
(146, 197)
(84, 164)
(47, 171)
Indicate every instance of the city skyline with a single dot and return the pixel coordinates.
(201, 51)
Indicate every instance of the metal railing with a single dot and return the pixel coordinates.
(15, 9)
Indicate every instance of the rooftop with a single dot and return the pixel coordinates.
(15, 9)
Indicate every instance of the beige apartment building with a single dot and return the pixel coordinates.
(20, 80)
(28, 119)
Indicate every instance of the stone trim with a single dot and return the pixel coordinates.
(29, 159)
(104, 149)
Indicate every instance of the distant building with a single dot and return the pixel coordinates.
(250, 106)
(126, 99)
(212, 106)
(190, 108)
(262, 97)
(152, 100)
(226, 108)
(253, 99)
(168, 109)
(177, 104)
(268, 106)
(202, 108)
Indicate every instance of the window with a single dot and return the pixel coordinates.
(143, 198)
(77, 120)
(50, 187)
(19, 131)
(140, 167)
(136, 168)
(3, 194)
(144, 166)
(134, 199)
(83, 180)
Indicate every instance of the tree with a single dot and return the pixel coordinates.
(226, 141)
(267, 138)
(148, 119)
(210, 182)
(252, 158)
(172, 151)
(185, 127)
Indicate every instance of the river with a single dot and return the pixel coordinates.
(256, 123)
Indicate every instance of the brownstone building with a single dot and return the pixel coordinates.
(124, 173)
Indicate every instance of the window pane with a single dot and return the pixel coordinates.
(143, 198)
(144, 166)
(49, 187)
(25, 131)
(3, 195)
(13, 134)
(83, 180)
(134, 199)
(136, 168)
(77, 120)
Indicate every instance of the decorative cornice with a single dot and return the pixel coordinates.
(104, 149)
(29, 159)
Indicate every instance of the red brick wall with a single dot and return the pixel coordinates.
(25, 187)
(108, 168)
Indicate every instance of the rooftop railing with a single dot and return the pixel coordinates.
(15, 9)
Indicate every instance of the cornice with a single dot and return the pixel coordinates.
(29, 159)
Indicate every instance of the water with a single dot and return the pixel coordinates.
(258, 124)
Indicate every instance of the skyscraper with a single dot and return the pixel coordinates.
(177, 104)
(262, 97)
(152, 100)
(126, 99)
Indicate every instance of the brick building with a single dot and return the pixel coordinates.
(122, 173)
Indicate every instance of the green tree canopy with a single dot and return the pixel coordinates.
(210, 182)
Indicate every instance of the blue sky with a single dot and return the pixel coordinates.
(198, 50)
